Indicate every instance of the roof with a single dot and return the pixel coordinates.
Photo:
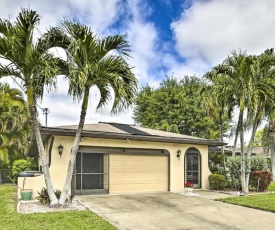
(123, 131)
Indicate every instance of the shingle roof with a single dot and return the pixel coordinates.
(122, 131)
(100, 127)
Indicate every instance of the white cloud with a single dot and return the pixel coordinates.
(204, 35)
(209, 30)
(100, 15)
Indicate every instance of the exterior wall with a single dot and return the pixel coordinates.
(58, 168)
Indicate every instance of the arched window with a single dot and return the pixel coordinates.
(193, 167)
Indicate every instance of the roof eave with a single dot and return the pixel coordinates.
(97, 134)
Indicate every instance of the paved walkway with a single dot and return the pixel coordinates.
(156, 211)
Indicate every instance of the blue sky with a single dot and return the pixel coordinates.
(167, 37)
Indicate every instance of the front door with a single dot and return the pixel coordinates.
(192, 167)
(89, 173)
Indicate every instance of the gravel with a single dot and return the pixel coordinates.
(34, 206)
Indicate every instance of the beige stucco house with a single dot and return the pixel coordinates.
(117, 158)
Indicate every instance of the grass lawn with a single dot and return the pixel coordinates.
(264, 202)
(10, 219)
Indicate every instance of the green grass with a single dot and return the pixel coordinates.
(10, 219)
(264, 202)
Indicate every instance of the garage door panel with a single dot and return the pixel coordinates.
(138, 173)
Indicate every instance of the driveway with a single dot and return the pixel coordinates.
(176, 211)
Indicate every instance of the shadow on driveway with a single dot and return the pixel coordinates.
(176, 211)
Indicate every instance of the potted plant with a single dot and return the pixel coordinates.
(26, 194)
(188, 187)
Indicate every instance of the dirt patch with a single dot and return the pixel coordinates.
(34, 206)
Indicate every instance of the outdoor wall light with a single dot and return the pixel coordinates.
(60, 150)
(178, 153)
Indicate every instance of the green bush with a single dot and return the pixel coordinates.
(44, 197)
(271, 187)
(233, 165)
(258, 163)
(20, 166)
(215, 162)
(260, 180)
(217, 181)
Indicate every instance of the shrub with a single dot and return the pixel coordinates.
(217, 181)
(215, 163)
(21, 165)
(44, 196)
(233, 165)
(271, 187)
(260, 179)
(258, 163)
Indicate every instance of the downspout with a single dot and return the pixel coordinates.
(50, 149)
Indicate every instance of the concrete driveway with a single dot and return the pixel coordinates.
(176, 211)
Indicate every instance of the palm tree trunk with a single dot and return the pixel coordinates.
(250, 146)
(41, 151)
(242, 148)
(272, 147)
(67, 185)
(271, 134)
(221, 139)
(236, 139)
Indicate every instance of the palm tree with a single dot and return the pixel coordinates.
(237, 77)
(219, 106)
(262, 72)
(33, 66)
(95, 62)
(271, 132)
(13, 124)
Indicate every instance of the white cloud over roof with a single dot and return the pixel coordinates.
(203, 35)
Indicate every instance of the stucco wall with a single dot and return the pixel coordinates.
(58, 168)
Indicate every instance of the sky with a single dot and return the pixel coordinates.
(167, 38)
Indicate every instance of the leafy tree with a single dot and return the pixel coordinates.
(215, 162)
(258, 140)
(96, 62)
(176, 106)
(21, 165)
(29, 61)
(14, 124)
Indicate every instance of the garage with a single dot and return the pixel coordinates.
(120, 170)
(138, 173)
(119, 159)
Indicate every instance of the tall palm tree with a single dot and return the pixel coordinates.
(237, 77)
(96, 62)
(219, 106)
(13, 124)
(262, 73)
(33, 66)
(271, 132)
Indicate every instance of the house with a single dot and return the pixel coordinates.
(118, 158)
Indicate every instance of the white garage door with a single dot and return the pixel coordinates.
(138, 173)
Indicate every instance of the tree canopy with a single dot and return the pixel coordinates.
(175, 106)
(14, 124)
